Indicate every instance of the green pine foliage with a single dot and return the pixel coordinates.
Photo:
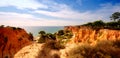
(106, 25)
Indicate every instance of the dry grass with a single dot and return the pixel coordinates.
(103, 49)
(50, 50)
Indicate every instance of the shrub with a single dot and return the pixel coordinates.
(42, 39)
(100, 24)
(52, 44)
(103, 49)
(14, 28)
(48, 48)
(63, 36)
(46, 36)
(1, 26)
(51, 36)
(42, 32)
(19, 28)
(30, 36)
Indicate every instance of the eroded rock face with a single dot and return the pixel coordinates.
(83, 34)
(12, 40)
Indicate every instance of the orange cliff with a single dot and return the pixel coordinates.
(84, 33)
(12, 40)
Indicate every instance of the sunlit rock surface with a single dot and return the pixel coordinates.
(30, 51)
(12, 40)
(83, 34)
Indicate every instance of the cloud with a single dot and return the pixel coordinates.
(107, 10)
(59, 14)
(17, 19)
(62, 11)
(67, 13)
(22, 4)
(108, 7)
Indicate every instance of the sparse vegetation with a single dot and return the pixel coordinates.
(42, 37)
(1, 26)
(64, 34)
(16, 28)
(106, 25)
(103, 49)
(45, 37)
(30, 36)
(50, 50)
(61, 36)
(102, 25)
(52, 44)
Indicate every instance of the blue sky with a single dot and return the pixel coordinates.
(55, 12)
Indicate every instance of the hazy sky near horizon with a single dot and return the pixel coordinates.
(55, 12)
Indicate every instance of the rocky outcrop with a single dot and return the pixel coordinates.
(83, 34)
(12, 40)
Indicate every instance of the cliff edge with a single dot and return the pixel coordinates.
(12, 39)
(88, 34)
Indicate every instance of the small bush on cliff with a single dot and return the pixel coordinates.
(14, 28)
(30, 36)
(19, 28)
(95, 24)
(1, 26)
(42, 37)
(51, 36)
(63, 36)
(45, 37)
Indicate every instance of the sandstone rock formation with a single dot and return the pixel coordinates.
(12, 40)
(83, 34)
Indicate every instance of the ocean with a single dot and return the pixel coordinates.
(48, 29)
